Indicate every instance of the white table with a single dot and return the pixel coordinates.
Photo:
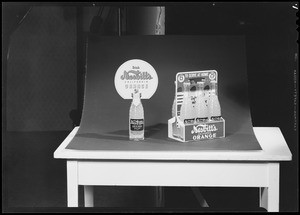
(179, 168)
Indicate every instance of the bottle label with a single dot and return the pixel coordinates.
(136, 124)
(216, 118)
(189, 121)
(204, 119)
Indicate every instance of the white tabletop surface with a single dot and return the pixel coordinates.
(273, 144)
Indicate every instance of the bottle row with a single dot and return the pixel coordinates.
(197, 102)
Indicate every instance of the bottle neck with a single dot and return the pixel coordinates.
(214, 89)
(136, 100)
(186, 89)
(200, 89)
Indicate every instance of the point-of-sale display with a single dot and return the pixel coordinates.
(196, 110)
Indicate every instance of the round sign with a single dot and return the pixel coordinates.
(136, 74)
(181, 78)
(212, 76)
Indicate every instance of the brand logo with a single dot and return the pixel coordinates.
(137, 121)
(212, 76)
(181, 78)
(136, 75)
(202, 128)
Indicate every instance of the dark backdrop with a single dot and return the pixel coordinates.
(272, 58)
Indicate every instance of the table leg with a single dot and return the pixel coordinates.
(159, 197)
(199, 197)
(72, 180)
(269, 196)
(88, 196)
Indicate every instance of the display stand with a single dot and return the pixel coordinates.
(121, 167)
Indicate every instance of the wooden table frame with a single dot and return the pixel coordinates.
(205, 168)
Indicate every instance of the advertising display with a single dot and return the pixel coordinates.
(136, 74)
(130, 91)
(196, 107)
(136, 79)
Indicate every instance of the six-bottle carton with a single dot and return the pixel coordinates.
(196, 110)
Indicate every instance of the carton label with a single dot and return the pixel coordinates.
(204, 131)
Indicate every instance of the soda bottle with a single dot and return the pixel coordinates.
(214, 104)
(136, 118)
(202, 114)
(193, 98)
(174, 105)
(187, 113)
(174, 125)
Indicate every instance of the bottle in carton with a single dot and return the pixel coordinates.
(214, 104)
(174, 126)
(174, 108)
(174, 104)
(136, 118)
(202, 111)
(187, 110)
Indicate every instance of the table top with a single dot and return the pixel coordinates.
(274, 148)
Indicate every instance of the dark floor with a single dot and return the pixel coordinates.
(34, 181)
